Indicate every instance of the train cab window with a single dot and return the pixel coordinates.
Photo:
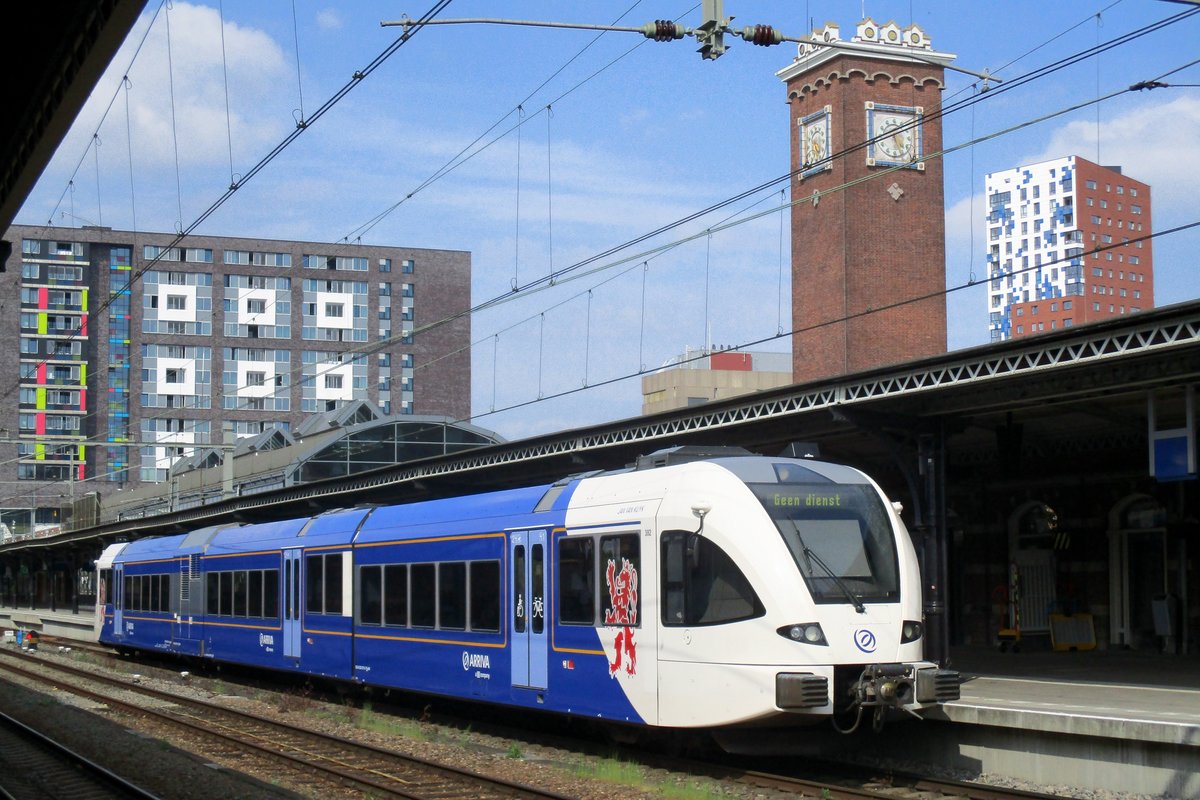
(620, 557)
(484, 583)
(395, 595)
(840, 537)
(452, 596)
(370, 596)
(576, 580)
(323, 589)
(702, 585)
(423, 599)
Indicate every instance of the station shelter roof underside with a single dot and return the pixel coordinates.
(1068, 406)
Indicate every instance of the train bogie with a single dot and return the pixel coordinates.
(735, 591)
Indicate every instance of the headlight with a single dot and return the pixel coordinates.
(804, 632)
(911, 631)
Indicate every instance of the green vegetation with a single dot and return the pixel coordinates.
(624, 773)
(368, 720)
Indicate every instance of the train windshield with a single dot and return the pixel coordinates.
(840, 536)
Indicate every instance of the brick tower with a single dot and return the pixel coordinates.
(868, 230)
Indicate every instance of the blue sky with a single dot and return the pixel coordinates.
(638, 135)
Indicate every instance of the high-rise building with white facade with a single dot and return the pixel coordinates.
(1068, 242)
(131, 349)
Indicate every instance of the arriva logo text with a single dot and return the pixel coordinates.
(476, 661)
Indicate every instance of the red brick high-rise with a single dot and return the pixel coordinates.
(868, 227)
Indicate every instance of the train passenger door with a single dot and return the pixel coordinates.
(527, 612)
(291, 602)
(118, 599)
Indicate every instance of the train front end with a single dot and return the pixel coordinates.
(829, 586)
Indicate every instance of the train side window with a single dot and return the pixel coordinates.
(164, 594)
(333, 583)
(155, 583)
(519, 599)
(370, 595)
(271, 593)
(240, 593)
(702, 585)
(577, 580)
(484, 590)
(537, 604)
(323, 589)
(423, 602)
(314, 594)
(227, 607)
(255, 593)
(145, 606)
(212, 593)
(452, 596)
(395, 595)
(620, 557)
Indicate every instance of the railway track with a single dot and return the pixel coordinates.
(895, 786)
(32, 765)
(837, 781)
(374, 770)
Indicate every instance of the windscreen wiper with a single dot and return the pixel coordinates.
(810, 556)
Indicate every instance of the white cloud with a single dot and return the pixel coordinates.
(1153, 142)
(329, 20)
(176, 111)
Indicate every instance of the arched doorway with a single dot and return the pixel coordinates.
(1032, 527)
(1137, 569)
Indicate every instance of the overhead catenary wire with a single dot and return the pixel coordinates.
(1181, 67)
(358, 77)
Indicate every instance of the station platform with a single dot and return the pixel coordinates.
(1123, 694)
(1114, 720)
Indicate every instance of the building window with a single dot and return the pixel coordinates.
(175, 375)
(256, 305)
(333, 309)
(407, 266)
(256, 378)
(333, 381)
(177, 302)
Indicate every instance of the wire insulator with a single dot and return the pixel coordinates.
(662, 30)
(762, 35)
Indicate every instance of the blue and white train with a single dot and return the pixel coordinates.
(687, 592)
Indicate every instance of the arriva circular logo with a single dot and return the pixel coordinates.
(865, 640)
(466, 660)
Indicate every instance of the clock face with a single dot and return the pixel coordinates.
(896, 135)
(814, 142)
(814, 146)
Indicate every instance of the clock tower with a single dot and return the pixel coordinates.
(868, 214)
